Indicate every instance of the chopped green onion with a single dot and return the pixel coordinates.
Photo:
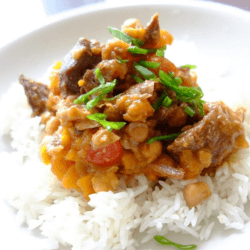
(148, 64)
(103, 89)
(137, 78)
(186, 94)
(171, 74)
(189, 66)
(199, 104)
(191, 112)
(164, 137)
(147, 74)
(199, 89)
(122, 60)
(178, 80)
(160, 53)
(112, 98)
(124, 37)
(99, 76)
(157, 105)
(155, 50)
(167, 102)
(101, 118)
(163, 241)
(137, 50)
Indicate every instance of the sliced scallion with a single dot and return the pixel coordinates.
(163, 241)
(101, 118)
(157, 105)
(178, 80)
(167, 102)
(189, 66)
(99, 76)
(122, 60)
(185, 94)
(102, 89)
(149, 64)
(191, 112)
(137, 78)
(160, 53)
(164, 138)
(200, 104)
(137, 50)
(147, 74)
(124, 37)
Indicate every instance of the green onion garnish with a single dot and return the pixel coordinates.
(102, 89)
(105, 88)
(155, 50)
(178, 80)
(157, 105)
(122, 60)
(101, 118)
(186, 94)
(171, 74)
(199, 104)
(99, 76)
(148, 64)
(163, 241)
(191, 112)
(164, 137)
(124, 37)
(137, 78)
(167, 102)
(160, 53)
(147, 74)
(137, 50)
(189, 66)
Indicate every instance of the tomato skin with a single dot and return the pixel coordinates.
(107, 156)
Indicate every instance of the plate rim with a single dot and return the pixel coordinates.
(93, 8)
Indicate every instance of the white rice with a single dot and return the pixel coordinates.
(112, 220)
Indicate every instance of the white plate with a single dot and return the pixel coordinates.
(219, 31)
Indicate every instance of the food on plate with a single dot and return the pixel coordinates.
(120, 142)
(121, 109)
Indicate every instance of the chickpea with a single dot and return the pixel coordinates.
(205, 157)
(151, 151)
(52, 125)
(103, 138)
(138, 131)
(196, 193)
(45, 117)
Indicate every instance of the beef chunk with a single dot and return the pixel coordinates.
(174, 116)
(152, 31)
(90, 81)
(145, 89)
(37, 94)
(208, 142)
(85, 55)
(110, 70)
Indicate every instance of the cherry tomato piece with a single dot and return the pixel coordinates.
(107, 156)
